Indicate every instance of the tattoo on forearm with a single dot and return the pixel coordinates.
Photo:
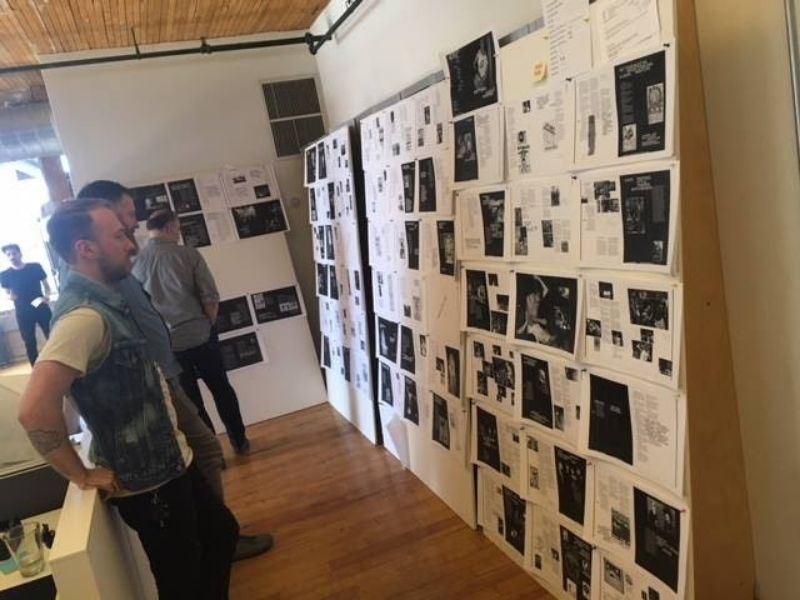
(47, 441)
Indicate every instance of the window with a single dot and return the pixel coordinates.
(294, 113)
(23, 194)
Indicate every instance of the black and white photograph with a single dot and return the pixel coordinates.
(407, 353)
(312, 205)
(621, 528)
(441, 421)
(548, 238)
(194, 230)
(477, 300)
(473, 75)
(387, 339)
(537, 398)
(322, 280)
(274, 305)
(514, 510)
(546, 310)
(148, 199)
(333, 283)
(610, 429)
(185, 198)
(326, 352)
(594, 328)
(453, 371)
(488, 438)
(498, 322)
(576, 564)
(655, 104)
(311, 165)
(387, 391)
(412, 244)
(346, 368)
(520, 234)
(617, 339)
(234, 313)
(571, 481)
(606, 196)
(332, 214)
(646, 217)
(466, 150)
(641, 104)
(446, 237)
(503, 371)
(427, 185)
(322, 167)
(259, 219)
(410, 402)
(330, 243)
(658, 537)
(493, 211)
(614, 577)
(240, 351)
(649, 308)
(606, 290)
(409, 174)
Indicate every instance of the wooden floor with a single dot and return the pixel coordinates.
(350, 522)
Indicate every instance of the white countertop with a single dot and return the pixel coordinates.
(14, 579)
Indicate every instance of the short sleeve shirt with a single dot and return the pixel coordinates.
(80, 340)
(25, 283)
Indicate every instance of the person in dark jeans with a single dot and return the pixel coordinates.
(184, 292)
(24, 282)
(205, 361)
(98, 355)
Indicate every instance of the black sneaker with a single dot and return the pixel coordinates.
(249, 546)
(243, 448)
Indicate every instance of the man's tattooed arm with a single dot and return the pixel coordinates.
(47, 441)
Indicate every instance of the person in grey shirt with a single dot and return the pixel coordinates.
(183, 291)
(205, 446)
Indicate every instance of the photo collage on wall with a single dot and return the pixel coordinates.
(333, 216)
(224, 207)
(523, 235)
(217, 207)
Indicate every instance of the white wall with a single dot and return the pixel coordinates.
(748, 93)
(142, 121)
(391, 44)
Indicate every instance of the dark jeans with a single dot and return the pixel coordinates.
(189, 537)
(28, 318)
(205, 361)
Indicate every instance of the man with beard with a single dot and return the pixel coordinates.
(205, 446)
(97, 354)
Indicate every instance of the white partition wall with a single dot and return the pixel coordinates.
(148, 121)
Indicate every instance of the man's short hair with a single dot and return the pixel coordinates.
(159, 220)
(8, 247)
(103, 189)
(71, 222)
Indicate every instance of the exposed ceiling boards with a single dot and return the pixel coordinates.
(32, 28)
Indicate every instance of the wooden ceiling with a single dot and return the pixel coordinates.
(33, 28)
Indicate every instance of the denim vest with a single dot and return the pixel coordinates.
(121, 400)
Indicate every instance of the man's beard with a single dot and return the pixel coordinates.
(113, 272)
(129, 232)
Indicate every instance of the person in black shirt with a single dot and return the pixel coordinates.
(24, 283)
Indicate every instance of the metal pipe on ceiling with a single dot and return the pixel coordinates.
(314, 43)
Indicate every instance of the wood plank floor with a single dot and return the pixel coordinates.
(350, 522)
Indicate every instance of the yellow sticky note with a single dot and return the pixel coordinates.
(539, 72)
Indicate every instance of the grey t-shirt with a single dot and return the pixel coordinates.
(178, 281)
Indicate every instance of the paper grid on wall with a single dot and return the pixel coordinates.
(344, 335)
(224, 207)
(547, 222)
